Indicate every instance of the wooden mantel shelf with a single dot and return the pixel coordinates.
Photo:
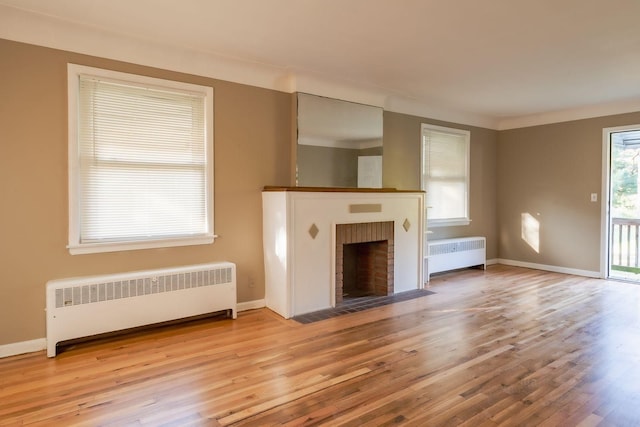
(338, 189)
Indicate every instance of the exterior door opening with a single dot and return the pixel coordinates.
(623, 218)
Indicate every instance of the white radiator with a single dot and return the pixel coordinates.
(85, 306)
(450, 254)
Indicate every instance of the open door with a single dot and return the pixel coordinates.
(623, 210)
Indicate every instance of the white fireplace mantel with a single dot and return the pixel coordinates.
(299, 241)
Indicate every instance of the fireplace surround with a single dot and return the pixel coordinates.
(301, 228)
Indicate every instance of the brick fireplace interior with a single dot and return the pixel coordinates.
(364, 260)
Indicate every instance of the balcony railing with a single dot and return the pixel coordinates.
(625, 239)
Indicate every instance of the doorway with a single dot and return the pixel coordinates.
(622, 214)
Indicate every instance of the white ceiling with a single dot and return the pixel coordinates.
(497, 61)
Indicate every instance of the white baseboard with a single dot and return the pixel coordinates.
(552, 268)
(16, 348)
(492, 261)
(251, 305)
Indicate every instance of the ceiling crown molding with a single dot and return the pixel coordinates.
(41, 30)
(47, 31)
(580, 113)
(37, 29)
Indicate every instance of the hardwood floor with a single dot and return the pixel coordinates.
(509, 346)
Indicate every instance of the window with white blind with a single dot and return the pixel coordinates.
(140, 162)
(445, 175)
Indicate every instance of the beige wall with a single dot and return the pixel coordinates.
(253, 148)
(549, 173)
(252, 134)
(401, 164)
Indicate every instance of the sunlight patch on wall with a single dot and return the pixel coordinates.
(531, 231)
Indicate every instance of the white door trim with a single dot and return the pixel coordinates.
(605, 198)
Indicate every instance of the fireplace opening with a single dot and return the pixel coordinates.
(364, 260)
(365, 269)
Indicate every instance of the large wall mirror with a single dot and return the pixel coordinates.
(339, 143)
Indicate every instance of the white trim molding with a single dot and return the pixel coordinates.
(551, 268)
(251, 305)
(41, 30)
(585, 112)
(16, 348)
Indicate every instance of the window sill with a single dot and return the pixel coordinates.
(448, 222)
(91, 248)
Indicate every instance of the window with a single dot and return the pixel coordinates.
(140, 162)
(445, 175)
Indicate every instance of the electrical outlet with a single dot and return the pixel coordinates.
(594, 197)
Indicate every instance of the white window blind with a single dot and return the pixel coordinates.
(445, 174)
(142, 163)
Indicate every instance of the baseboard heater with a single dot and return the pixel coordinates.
(86, 306)
(451, 254)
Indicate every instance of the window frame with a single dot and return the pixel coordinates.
(454, 221)
(75, 245)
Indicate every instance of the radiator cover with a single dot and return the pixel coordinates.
(85, 306)
(451, 254)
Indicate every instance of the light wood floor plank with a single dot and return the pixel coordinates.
(503, 347)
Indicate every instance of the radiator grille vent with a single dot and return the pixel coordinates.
(106, 291)
(450, 247)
